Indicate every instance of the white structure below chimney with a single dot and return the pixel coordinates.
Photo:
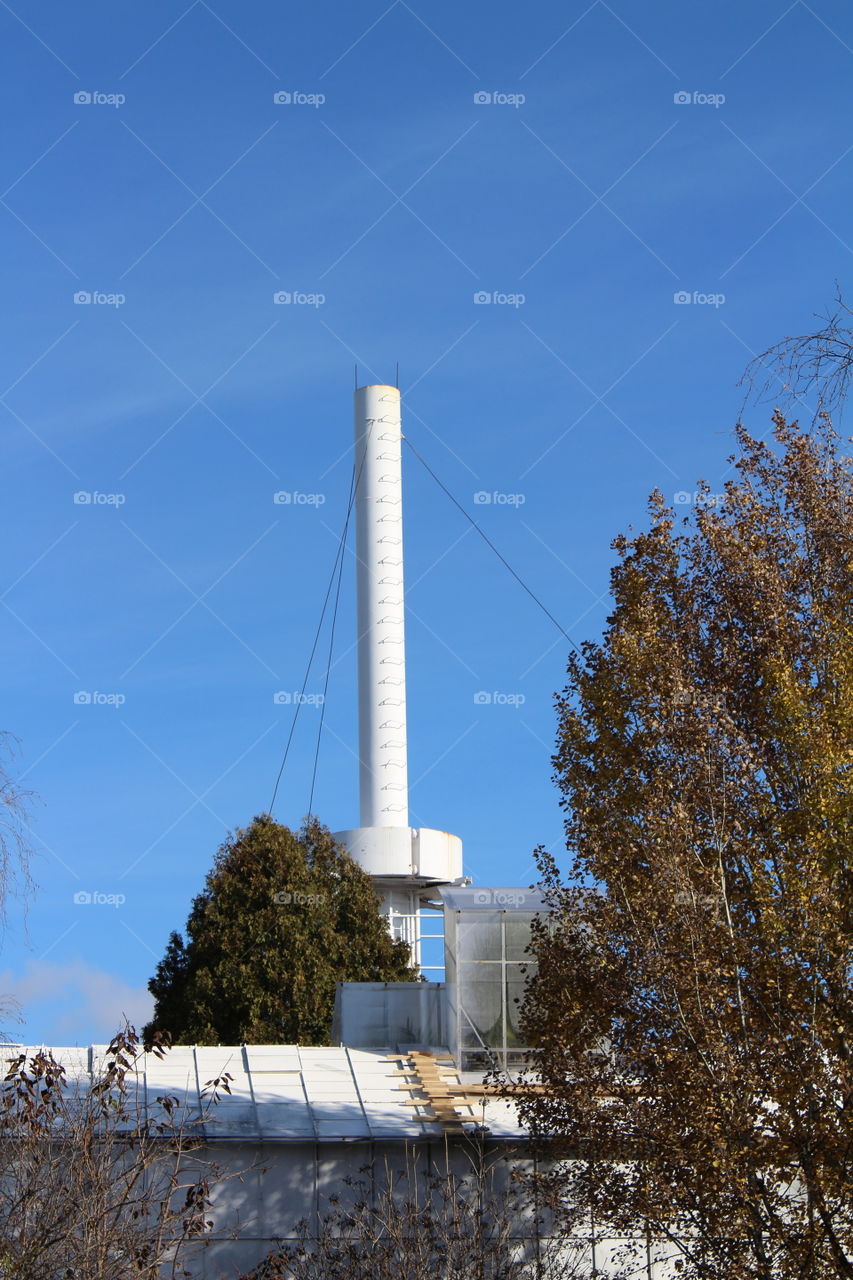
(407, 864)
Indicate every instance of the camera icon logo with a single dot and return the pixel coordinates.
(82, 498)
(482, 698)
(683, 498)
(282, 698)
(82, 698)
(283, 899)
(281, 99)
(82, 98)
(482, 897)
(82, 898)
(82, 297)
(481, 98)
(281, 298)
(682, 297)
(682, 98)
(482, 499)
(481, 297)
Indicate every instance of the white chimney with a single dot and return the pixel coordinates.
(383, 763)
(406, 864)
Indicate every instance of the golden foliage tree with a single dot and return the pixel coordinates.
(692, 1008)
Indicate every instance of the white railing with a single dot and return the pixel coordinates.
(409, 927)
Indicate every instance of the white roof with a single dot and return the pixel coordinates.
(508, 898)
(287, 1093)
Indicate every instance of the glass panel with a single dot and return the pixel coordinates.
(515, 987)
(481, 1014)
(480, 971)
(517, 927)
(487, 936)
(381, 1015)
(451, 928)
(479, 936)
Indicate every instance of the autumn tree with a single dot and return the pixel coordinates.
(99, 1180)
(15, 847)
(692, 1009)
(807, 372)
(282, 918)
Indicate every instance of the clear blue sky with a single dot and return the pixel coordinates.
(385, 186)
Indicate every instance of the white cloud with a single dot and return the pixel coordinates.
(67, 1004)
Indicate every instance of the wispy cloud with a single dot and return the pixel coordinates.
(56, 1000)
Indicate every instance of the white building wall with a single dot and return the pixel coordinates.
(280, 1185)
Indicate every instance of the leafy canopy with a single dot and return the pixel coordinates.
(692, 1008)
(282, 918)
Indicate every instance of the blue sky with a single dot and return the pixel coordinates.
(658, 149)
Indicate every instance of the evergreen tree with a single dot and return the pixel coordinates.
(282, 918)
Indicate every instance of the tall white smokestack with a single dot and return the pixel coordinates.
(383, 763)
(407, 864)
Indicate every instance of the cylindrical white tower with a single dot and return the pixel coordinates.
(407, 865)
(383, 762)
